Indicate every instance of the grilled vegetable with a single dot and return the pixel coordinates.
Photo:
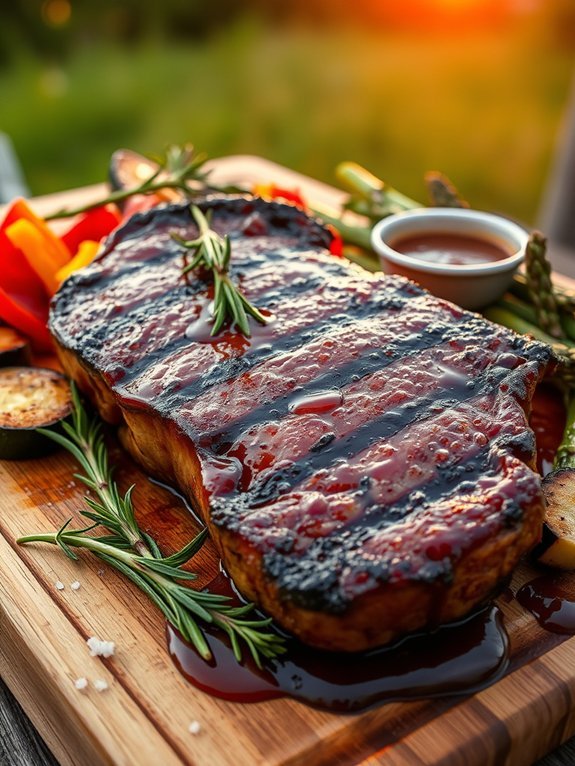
(14, 349)
(557, 546)
(129, 171)
(30, 398)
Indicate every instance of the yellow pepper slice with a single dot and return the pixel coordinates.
(85, 255)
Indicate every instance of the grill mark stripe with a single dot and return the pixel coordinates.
(112, 276)
(110, 330)
(445, 487)
(389, 424)
(106, 328)
(225, 370)
(368, 363)
(317, 237)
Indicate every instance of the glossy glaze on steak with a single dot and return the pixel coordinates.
(363, 462)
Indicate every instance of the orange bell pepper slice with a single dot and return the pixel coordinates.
(43, 250)
(20, 210)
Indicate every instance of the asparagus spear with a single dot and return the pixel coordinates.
(540, 286)
(565, 455)
(442, 192)
(370, 195)
(565, 298)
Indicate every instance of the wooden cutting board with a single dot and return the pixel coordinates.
(143, 718)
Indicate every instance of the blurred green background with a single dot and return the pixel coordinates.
(475, 88)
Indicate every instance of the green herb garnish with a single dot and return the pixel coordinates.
(136, 555)
(180, 168)
(213, 252)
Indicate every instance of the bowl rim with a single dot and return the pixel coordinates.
(491, 225)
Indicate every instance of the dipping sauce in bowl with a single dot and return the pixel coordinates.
(465, 256)
(456, 249)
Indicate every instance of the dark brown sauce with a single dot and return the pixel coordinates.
(551, 600)
(454, 659)
(229, 342)
(449, 248)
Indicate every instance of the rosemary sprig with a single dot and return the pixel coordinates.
(213, 252)
(136, 555)
(180, 168)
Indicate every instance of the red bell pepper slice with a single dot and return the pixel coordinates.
(23, 297)
(33, 325)
(93, 225)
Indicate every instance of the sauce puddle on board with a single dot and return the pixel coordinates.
(551, 600)
(449, 248)
(455, 659)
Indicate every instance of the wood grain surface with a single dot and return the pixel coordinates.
(143, 717)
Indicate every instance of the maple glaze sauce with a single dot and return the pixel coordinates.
(453, 659)
(449, 248)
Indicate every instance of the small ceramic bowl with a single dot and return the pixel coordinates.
(471, 286)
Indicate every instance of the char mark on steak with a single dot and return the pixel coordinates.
(363, 461)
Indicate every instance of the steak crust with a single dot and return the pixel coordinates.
(363, 462)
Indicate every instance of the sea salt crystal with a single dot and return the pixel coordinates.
(100, 685)
(80, 683)
(75, 585)
(59, 585)
(195, 727)
(100, 648)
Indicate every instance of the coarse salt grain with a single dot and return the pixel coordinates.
(100, 648)
(100, 685)
(59, 585)
(81, 683)
(75, 585)
(195, 727)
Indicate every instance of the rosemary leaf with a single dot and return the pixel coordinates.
(60, 541)
(212, 252)
(157, 565)
(188, 551)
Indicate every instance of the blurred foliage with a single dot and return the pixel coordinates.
(399, 87)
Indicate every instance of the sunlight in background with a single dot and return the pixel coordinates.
(474, 88)
(458, 5)
(56, 13)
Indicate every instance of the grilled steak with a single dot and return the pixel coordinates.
(363, 462)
